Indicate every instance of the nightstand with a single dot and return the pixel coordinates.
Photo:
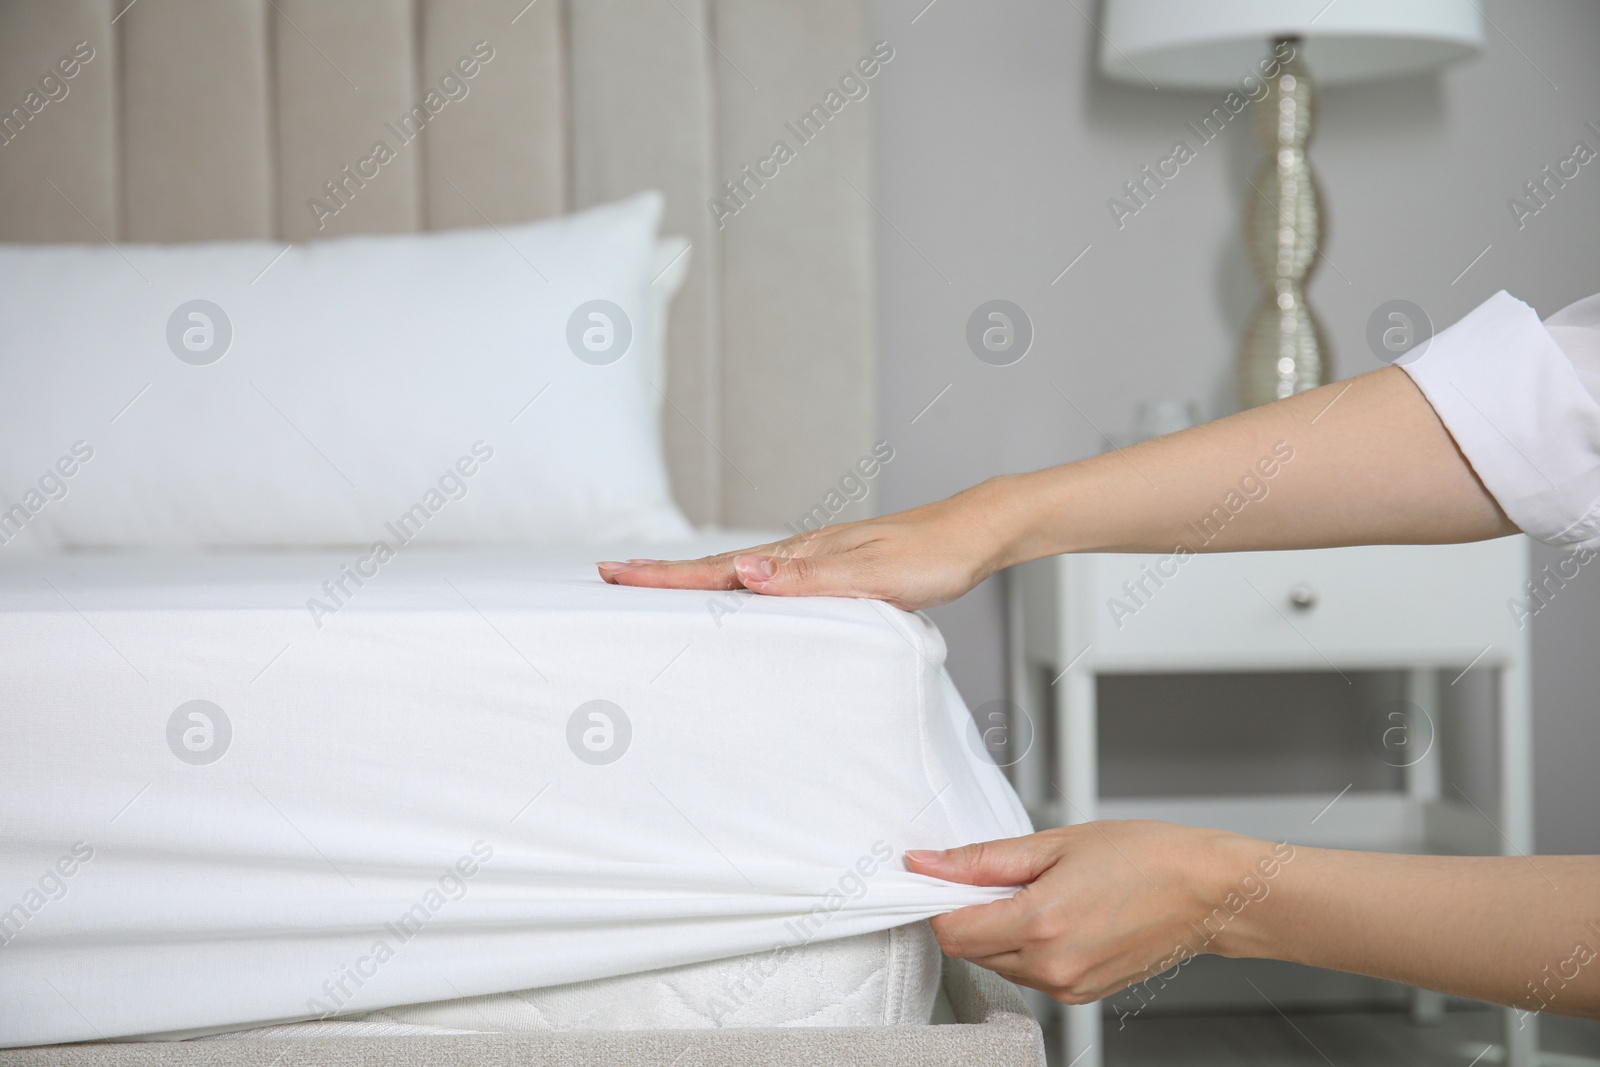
(1429, 611)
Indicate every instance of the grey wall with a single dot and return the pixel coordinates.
(996, 149)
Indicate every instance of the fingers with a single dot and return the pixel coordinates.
(1013, 968)
(774, 570)
(1019, 969)
(785, 574)
(1012, 861)
(998, 927)
(709, 572)
(713, 572)
(982, 930)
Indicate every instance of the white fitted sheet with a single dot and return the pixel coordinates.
(783, 753)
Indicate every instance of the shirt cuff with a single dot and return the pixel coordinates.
(1519, 412)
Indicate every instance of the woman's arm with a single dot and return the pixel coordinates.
(1110, 905)
(1360, 462)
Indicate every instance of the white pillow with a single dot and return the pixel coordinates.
(459, 387)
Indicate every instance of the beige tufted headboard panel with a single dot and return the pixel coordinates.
(204, 119)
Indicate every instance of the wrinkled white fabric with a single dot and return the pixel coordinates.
(398, 816)
(1522, 400)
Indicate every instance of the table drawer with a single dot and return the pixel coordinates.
(1366, 606)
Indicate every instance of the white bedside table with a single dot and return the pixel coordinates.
(1420, 609)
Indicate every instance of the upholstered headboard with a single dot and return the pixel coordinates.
(204, 119)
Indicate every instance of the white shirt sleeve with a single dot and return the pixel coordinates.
(1522, 400)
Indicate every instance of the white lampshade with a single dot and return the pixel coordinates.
(1202, 44)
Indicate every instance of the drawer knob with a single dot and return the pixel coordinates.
(1302, 597)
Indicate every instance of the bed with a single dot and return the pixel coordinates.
(302, 641)
(491, 773)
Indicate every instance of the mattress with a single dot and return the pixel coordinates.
(889, 978)
(260, 788)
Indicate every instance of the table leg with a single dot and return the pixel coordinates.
(1515, 720)
(1521, 1035)
(1077, 759)
(1030, 770)
(1422, 779)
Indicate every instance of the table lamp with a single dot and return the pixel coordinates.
(1263, 52)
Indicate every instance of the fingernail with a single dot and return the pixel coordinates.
(922, 855)
(640, 562)
(756, 568)
(613, 564)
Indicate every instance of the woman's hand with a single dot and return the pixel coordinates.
(1103, 904)
(1310, 481)
(912, 559)
(1108, 904)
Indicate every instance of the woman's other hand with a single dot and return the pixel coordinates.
(1104, 904)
